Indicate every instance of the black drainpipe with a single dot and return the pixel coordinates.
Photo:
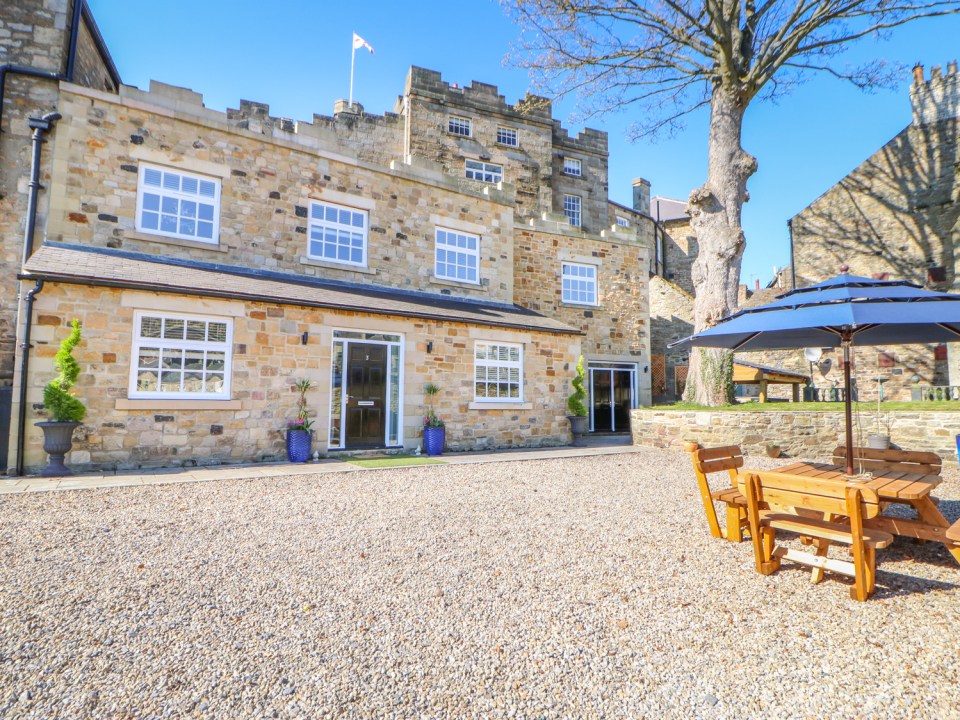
(24, 366)
(793, 264)
(40, 126)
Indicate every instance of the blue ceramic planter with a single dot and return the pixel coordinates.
(299, 445)
(433, 440)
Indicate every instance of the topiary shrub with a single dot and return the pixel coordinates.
(60, 403)
(575, 401)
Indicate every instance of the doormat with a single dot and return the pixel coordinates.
(394, 461)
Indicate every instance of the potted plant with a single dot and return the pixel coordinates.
(579, 423)
(299, 432)
(66, 411)
(434, 429)
(773, 450)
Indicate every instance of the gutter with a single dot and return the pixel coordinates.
(273, 300)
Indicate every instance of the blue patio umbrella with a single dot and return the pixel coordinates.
(842, 312)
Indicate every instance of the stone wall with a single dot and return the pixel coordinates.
(671, 319)
(617, 328)
(268, 358)
(680, 250)
(268, 180)
(808, 435)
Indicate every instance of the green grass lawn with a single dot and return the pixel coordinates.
(394, 461)
(863, 407)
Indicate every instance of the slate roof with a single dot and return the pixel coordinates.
(105, 267)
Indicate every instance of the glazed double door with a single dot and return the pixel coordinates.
(611, 395)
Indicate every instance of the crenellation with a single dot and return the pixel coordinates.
(938, 98)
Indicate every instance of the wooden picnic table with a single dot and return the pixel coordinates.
(893, 486)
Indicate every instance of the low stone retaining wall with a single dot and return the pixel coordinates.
(799, 434)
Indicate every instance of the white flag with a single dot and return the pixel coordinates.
(359, 42)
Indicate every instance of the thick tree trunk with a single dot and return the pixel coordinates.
(715, 209)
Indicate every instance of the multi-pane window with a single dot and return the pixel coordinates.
(459, 126)
(571, 208)
(622, 222)
(178, 204)
(579, 284)
(180, 356)
(498, 372)
(507, 136)
(337, 234)
(457, 256)
(487, 172)
(571, 166)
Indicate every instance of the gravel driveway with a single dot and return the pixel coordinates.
(569, 588)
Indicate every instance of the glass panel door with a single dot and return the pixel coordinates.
(612, 395)
(601, 405)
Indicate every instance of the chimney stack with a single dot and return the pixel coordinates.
(918, 73)
(641, 196)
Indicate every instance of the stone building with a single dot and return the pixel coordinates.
(216, 258)
(894, 216)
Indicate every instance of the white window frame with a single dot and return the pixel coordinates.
(447, 247)
(572, 167)
(577, 278)
(483, 171)
(573, 210)
(504, 364)
(138, 342)
(460, 126)
(320, 224)
(510, 133)
(179, 196)
(623, 222)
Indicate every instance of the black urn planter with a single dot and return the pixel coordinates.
(579, 426)
(57, 441)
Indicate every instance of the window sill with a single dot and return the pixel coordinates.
(434, 280)
(125, 404)
(500, 406)
(313, 262)
(164, 240)
(584, 306)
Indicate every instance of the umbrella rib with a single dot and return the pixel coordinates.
(949, 329)
(740, 345)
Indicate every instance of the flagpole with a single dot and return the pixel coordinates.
(353, 57)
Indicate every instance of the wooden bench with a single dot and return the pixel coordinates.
(868, 459)
(855, 501)
(707, 461)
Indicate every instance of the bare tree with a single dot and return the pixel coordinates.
(666, 58)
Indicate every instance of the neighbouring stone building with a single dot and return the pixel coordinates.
(216, 258)
(894, 216)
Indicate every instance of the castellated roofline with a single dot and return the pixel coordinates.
(935, 99)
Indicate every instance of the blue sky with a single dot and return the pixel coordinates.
(295, 56)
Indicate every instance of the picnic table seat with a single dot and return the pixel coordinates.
(707, 461)
(953, 532)
(828, 498)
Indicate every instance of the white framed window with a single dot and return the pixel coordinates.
(457, 256)
(337, 234)
(483, 171)
(572, 166)
(180, 356)
(178, 204)
(459, 126)
(571, 208)
(498, 372)
(579, 283)
(622, 222)
(507, 136)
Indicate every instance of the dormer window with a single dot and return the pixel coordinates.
(572, 166)
(459, 126)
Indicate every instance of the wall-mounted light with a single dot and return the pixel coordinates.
(646, 368)
(429, 346)
(304, 338)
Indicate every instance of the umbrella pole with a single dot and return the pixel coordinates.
(847, 402)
